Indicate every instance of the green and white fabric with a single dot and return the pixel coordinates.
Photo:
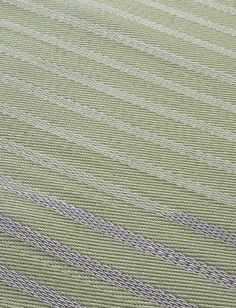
(117, 153)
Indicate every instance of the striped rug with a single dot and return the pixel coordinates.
(117, 153)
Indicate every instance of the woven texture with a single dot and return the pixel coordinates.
(117, 153)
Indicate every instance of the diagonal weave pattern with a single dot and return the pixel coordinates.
(117, 153)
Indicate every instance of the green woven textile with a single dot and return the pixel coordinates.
(117, 153)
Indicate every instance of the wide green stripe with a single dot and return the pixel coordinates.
(12, 298)
(62, 277)
(161, 17)
(158, 273)
(201, 172)
(177, 23)
(124, 176)
(165, 97)
(76, 156)
(204, 11)
(228, 2)
(177, 237)
(173, 72)
(124, 111)
(154, 37)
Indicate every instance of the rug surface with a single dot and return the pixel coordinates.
(117, 153)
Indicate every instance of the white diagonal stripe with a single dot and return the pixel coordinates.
(76, 49)
(117, 93)
(118, 124)
(187, 16)
(219, 6)
(108, 187)
(136, 240)
(161, 28)
(113, 154)
(128, 41)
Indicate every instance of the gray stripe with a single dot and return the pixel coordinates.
(161, 28)
(135, 240)
(102, 271)
(108, 187)
(115, 92)
(187, 16)
(218, 6)
(196, 95)
(128, 41)
(113, 154)
(125, 159)
(118, 124)
(33, 288)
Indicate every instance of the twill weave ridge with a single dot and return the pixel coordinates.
(117, 153)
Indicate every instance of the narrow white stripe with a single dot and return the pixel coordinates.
(116, 191)
(106, 227)
(133, 162)
(187, 16)
(76, 49)
(218, 6)
(108, 187)
(118, 124)
(161, 28)
(115, 92)
(129, 41)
